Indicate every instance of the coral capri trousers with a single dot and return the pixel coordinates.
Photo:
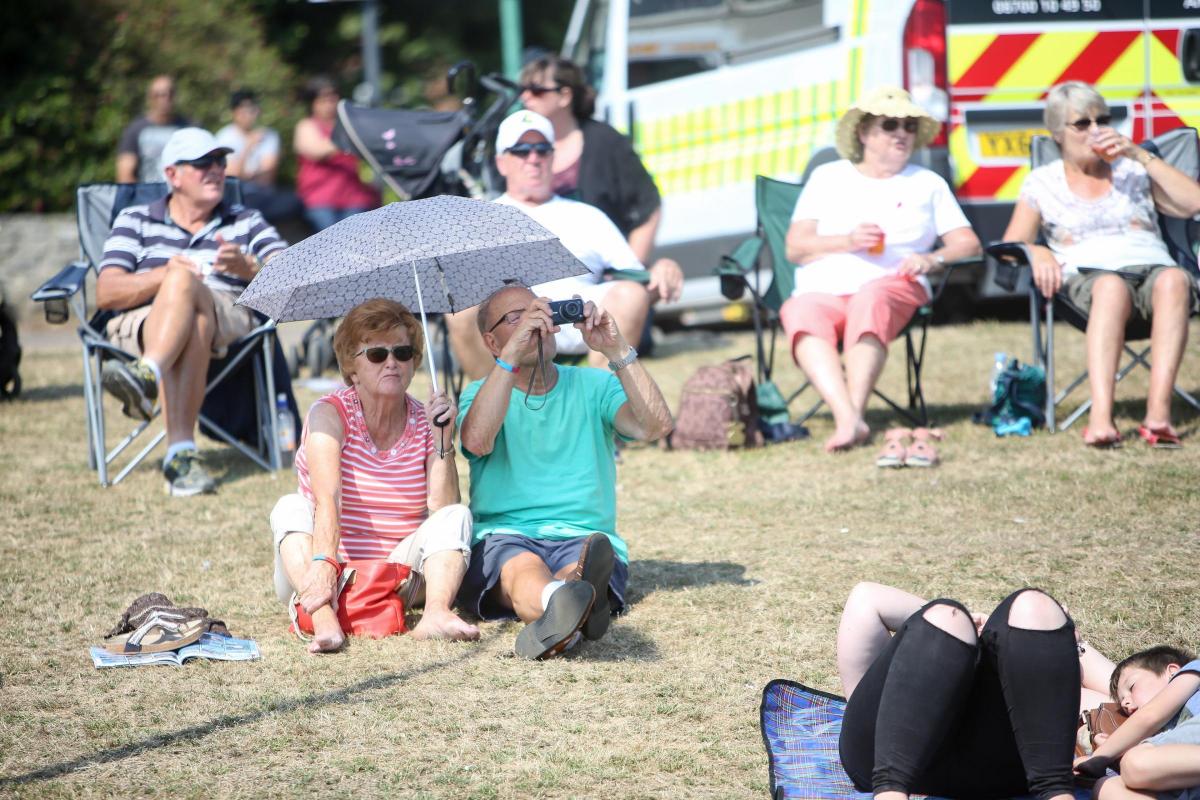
(881, 308)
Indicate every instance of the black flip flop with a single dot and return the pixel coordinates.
(549, 634)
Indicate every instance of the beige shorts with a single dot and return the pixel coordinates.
(1140, 281)
(233, 322)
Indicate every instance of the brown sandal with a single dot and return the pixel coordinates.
(895, 448)
(922, 453)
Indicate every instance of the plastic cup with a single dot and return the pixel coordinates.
(877, 249)
(1100, 151)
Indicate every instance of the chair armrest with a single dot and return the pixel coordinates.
(638, 275)
(1009, 258)
(743, 258)
(65, 284)
(941, 279)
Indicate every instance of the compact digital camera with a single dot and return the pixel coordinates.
(564, 311)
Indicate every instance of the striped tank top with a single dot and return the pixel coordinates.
(384, 492)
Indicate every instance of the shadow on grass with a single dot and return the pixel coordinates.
(647, 576)
(197, 732)
(623, 642)
(39, 394)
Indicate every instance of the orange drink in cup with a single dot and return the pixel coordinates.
(877, 248)
(1100, 149)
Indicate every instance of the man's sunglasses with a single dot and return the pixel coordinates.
(538, 90)
(890, 124)
(204, 162)
(509, 318)
(523, 149)
(377, 355)
(1082, 125)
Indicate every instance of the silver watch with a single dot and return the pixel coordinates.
(630, 357)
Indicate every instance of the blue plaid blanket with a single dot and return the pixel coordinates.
(800, 727)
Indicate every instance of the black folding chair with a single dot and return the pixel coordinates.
(1179, 148)
(254, 366)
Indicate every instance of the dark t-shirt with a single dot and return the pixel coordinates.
(612, 177)
(146, 140)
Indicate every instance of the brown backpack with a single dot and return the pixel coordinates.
(718, 409)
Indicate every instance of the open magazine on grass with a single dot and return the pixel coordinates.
(210, 645)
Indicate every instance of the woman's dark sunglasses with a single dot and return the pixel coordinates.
(538, 90)
(890, 124)
(377, 355)
(1082, 125)
(523, 149)
(205, 162)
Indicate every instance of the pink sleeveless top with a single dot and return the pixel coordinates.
(332, 182)
(384, 493)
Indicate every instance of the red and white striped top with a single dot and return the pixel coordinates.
(384, 493)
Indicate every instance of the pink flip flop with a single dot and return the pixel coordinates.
(895, 448)
(922, 453)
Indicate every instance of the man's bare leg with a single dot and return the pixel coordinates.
(522, 579)
(296, 553)
(183, 381)
(443, 574)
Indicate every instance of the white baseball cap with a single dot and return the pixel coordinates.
(188, 144)
(518, 124)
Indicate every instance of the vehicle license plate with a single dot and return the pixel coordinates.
(1006, 144)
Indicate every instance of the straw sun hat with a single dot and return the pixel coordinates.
(883, 101)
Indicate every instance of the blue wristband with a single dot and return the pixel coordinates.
(507, 367)
(331, 561)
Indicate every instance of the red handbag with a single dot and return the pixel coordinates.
(369, 603)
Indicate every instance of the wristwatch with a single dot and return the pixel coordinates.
(938, 259)
(630, 357)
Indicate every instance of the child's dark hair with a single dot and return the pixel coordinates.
(1155, 660)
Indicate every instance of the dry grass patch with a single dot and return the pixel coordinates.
(740, 564)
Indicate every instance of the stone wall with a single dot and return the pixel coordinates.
(33, 248)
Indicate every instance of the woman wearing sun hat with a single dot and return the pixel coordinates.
(863, 236)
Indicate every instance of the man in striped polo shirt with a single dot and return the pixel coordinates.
(172, 270)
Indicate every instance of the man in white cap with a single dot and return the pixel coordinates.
(524, 156)
(172, 270)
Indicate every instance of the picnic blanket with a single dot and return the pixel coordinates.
(800, 727)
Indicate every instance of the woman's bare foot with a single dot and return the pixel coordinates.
(327, 632)
(444, 625)
(1101, 435)
(848, 436)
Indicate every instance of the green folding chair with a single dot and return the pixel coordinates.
(741, 271)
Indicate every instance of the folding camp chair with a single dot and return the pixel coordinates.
(739, 272)
(1179, 148)
(254, 366)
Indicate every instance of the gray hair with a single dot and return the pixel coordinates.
(1071, 96)
(485, 308)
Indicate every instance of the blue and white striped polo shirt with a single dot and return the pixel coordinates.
(144, 238)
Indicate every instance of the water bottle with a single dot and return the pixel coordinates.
(999, 363)
(285, 426)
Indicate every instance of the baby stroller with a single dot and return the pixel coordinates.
(419, 154)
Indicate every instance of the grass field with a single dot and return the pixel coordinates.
(740, 564)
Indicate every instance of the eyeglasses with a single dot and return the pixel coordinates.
(523, 149)
(510, 318)
(203, 163)
(377, 355)
(890, 124)
(1082, 125)
(538, 90)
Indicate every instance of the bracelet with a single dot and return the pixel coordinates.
(507, 367)
(331, 561)
(1150, 157)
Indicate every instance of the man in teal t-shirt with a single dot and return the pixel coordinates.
(543, 480)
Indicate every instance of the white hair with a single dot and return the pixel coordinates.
(1071, 96)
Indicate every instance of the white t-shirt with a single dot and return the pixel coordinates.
(914, 207)
(231, 136)
(590, 236)
(1110, 232)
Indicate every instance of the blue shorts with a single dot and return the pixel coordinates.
(489, 557)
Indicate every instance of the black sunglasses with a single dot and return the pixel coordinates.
(509, 318)
(377, 355)
(538, 90)
(204, 162)
(523, 149)
(890, 124)
(1082, 125)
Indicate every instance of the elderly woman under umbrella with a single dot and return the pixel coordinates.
(863, 235)
(374, 484)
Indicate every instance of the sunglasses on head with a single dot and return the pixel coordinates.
(890, 124)
(523, 149)
(377, 355)
(537, 90)
(205, 162)
(1082, 125)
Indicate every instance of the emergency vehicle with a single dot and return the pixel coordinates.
(714, 92)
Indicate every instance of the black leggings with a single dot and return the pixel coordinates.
(935, 715)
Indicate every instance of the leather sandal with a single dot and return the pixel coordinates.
(922, 453)
(895, 448)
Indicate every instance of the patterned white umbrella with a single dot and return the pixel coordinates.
(443, 254)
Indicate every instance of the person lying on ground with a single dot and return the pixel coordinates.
(1098, 206)
(944, 702)
(372, 484)
(524, 152)
(1158, 747)
(539, 441)
(863, 234)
